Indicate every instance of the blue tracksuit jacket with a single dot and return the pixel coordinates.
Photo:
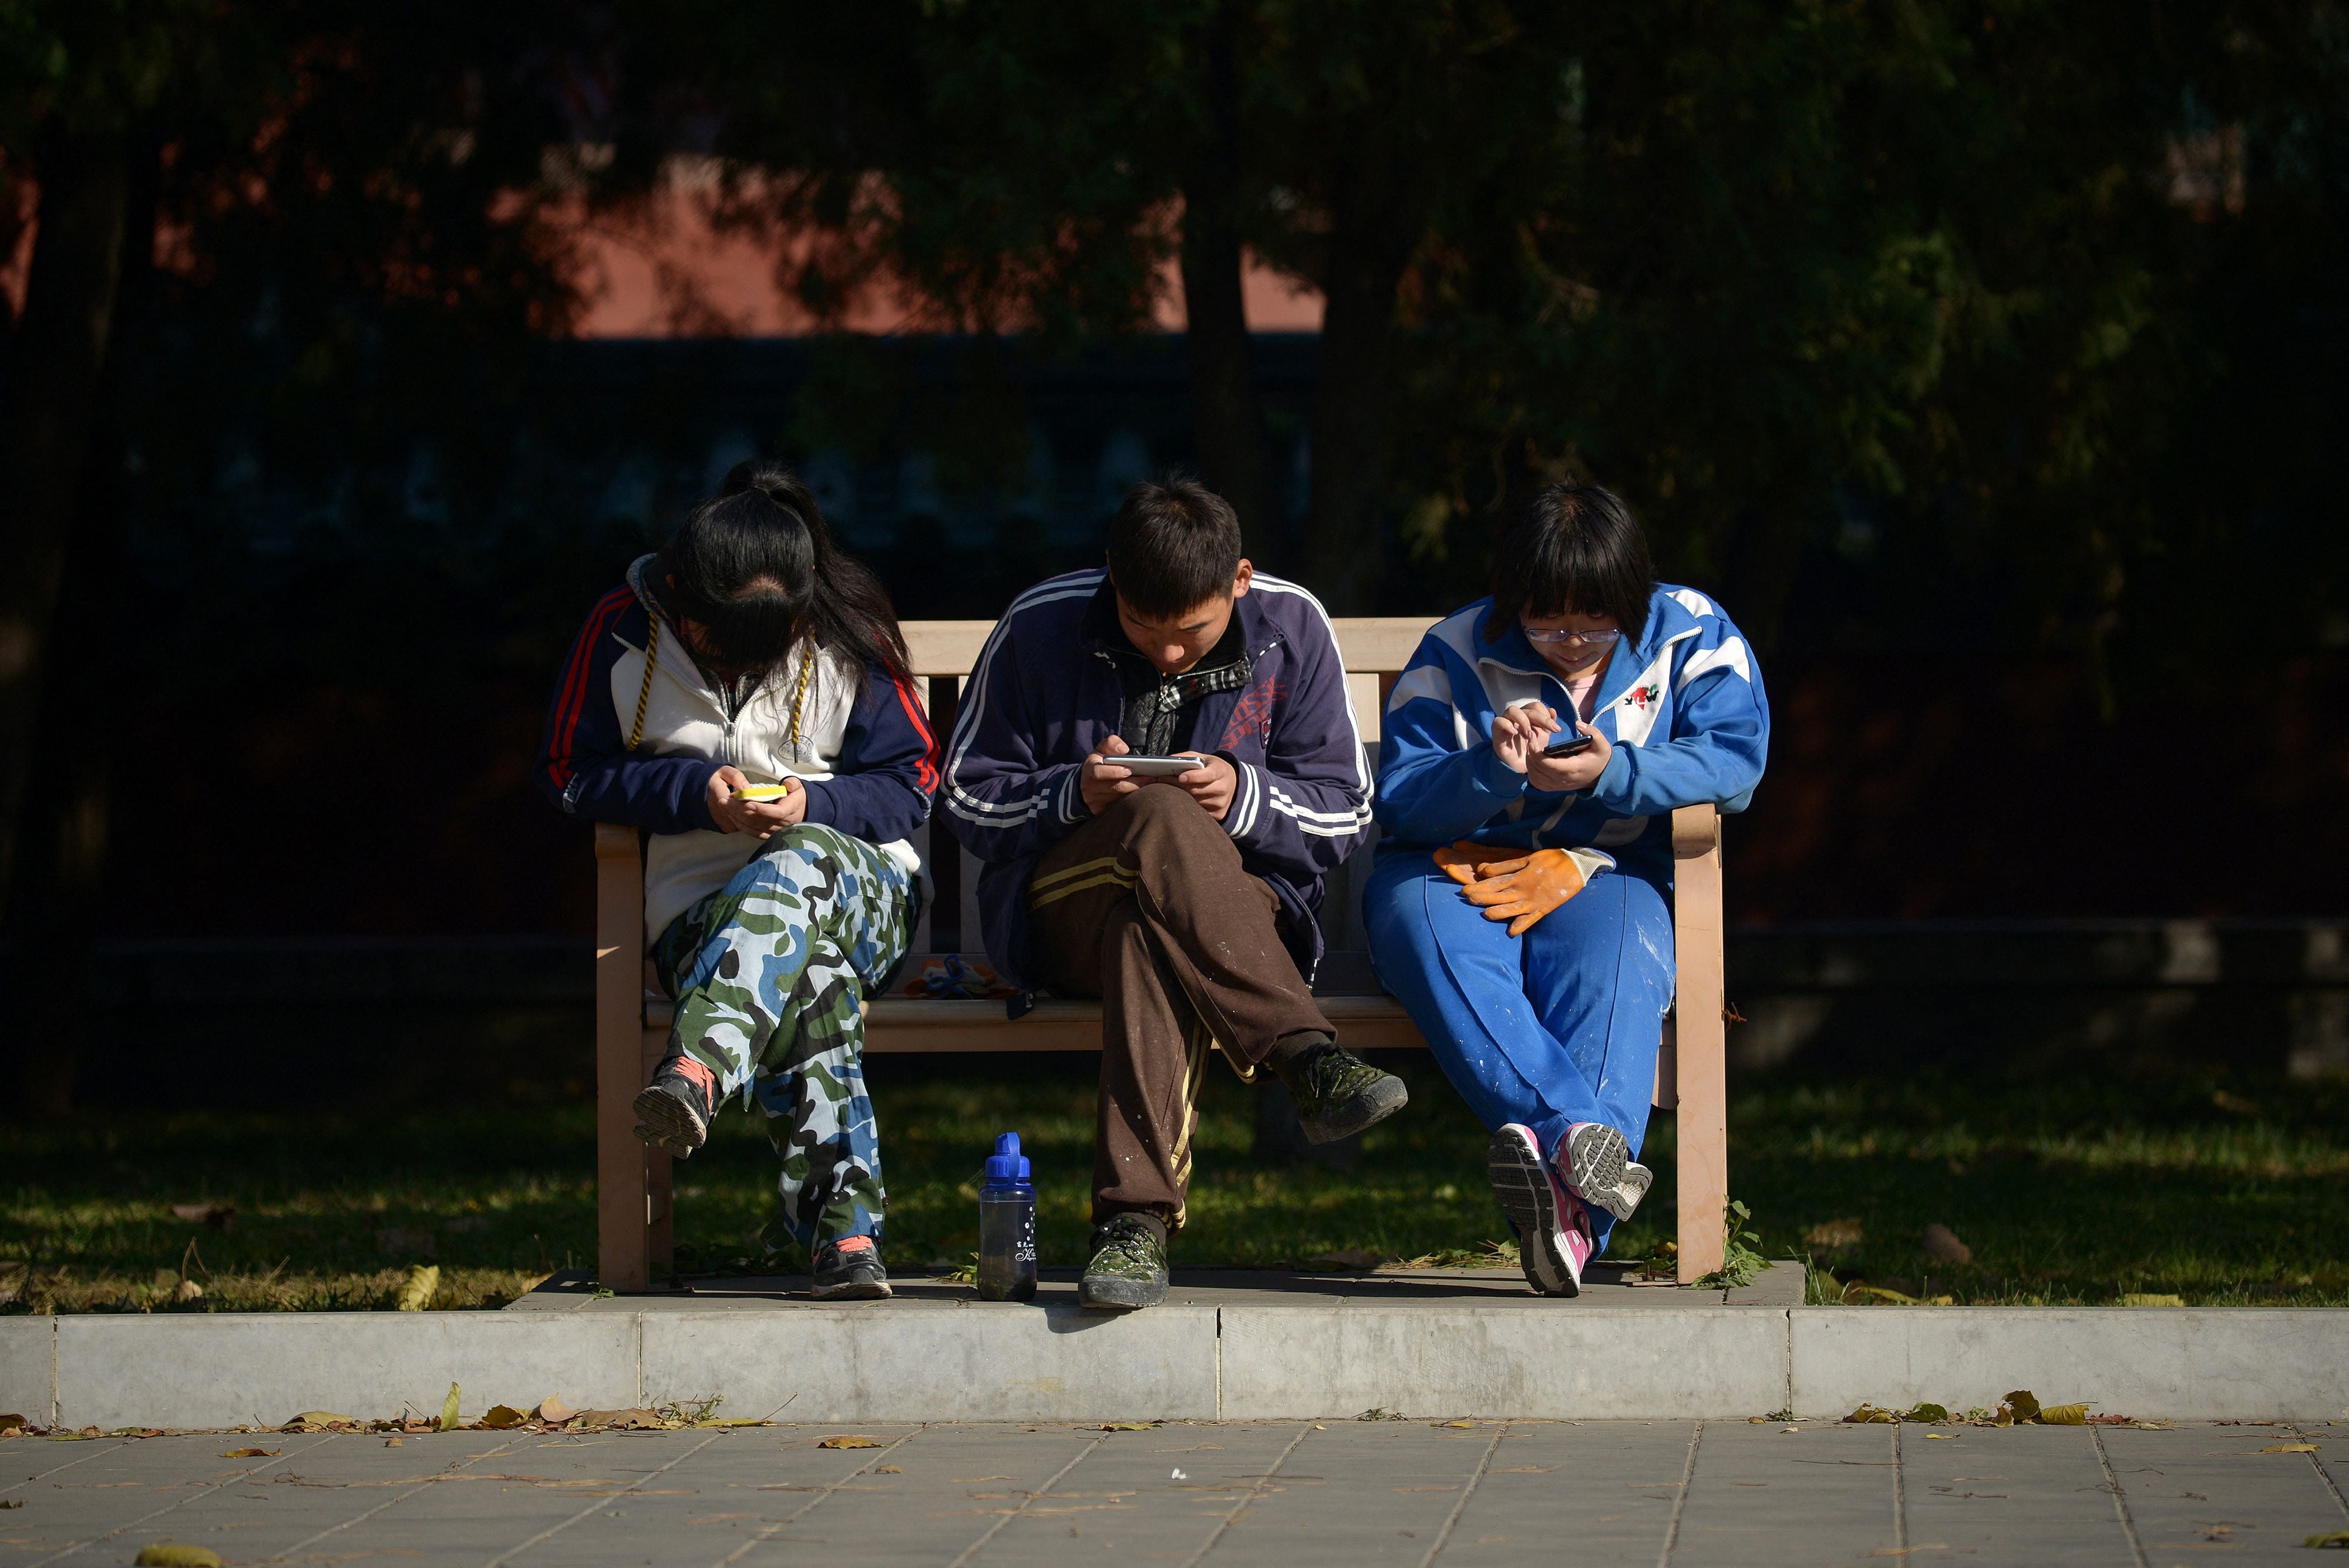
(1684, 711)
(1044, 696)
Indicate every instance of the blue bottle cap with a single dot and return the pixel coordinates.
(1006, 1163)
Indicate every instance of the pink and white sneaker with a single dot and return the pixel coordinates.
(1596, 1161)
(1553, 1232)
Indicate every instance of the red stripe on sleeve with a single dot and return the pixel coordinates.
(575, 673)
(905, 699)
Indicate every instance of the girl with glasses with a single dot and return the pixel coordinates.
(1520, 908)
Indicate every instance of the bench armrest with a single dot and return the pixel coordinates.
(1696, 830)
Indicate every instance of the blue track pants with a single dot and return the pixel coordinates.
(1558, 1026)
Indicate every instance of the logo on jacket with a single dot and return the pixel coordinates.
(1252, 716)
(1642, 696)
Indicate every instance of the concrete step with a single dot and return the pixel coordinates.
(1222, 1347)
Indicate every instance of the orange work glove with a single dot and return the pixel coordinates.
(1464, 861)
(1522, 890)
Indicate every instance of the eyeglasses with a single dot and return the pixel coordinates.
(1553, 634)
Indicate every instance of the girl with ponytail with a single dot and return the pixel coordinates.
(744, 700)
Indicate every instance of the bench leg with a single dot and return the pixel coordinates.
(622, 1257)
(1700, 1040)
(660, 1225)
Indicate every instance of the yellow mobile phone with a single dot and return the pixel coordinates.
(766, 792)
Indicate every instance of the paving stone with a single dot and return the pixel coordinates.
(2194, 1490)
(1598, 1494)
(958, 1485)
(1355, 1492)
(2010, 1494)
(1762, 1495)
(721, 1493)
(1127, 1501)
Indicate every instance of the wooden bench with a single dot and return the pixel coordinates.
(631, 1019)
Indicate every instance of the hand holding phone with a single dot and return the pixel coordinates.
(737, 805)
(1158, 767)
(1575, 762)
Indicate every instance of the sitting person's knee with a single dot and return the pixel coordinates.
(1161, 804)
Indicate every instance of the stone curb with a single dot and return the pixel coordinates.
(1177, 1362)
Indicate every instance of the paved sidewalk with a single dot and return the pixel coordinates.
(1294, 1493)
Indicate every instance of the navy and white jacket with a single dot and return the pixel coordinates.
(1046, 693)
(1684, 711)
(865, 751)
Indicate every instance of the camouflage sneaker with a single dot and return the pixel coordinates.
(1128, 1268)
(673, 1115)
(1339, 1094)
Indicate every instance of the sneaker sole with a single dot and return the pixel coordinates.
(667, 1124)
(1360, 1114)
(1597, 1157)
(853, 1290)
(1522, 1185)
(1101, 1294)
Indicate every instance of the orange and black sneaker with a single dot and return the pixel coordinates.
(673, 1115)
(849, 1270)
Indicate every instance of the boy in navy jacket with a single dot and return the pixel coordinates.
(1186, 902)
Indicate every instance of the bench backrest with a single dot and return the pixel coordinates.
(1374, 647)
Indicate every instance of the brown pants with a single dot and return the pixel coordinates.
(1148, 908)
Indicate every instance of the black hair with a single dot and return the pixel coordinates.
(1572, 549)
(755, 567)
(1172, 545)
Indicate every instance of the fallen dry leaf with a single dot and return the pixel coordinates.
(393, 1442)
(2338, 1540)
(636, 1419)
(12, 1423)
(1465, 1426)
(416, 1291)
(448, 1411)
(888, 1469)
(318, 1422)
(1872, 1415)
(554, 1411)
(2290, 1448)
(2063, 1415)
(188, 1291)
(176, 1554)
(502, 1416)
(849, 1442)
(252, 1453)
(1125, 1426)
(2148, 1299)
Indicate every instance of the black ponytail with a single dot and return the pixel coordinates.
(756, 567)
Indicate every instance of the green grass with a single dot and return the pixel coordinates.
(2075, 1194)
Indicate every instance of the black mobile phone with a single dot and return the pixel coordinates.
(1572, 745)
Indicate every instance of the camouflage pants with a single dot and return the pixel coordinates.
(768, 973)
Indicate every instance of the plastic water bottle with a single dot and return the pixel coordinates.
(1007, 1226)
